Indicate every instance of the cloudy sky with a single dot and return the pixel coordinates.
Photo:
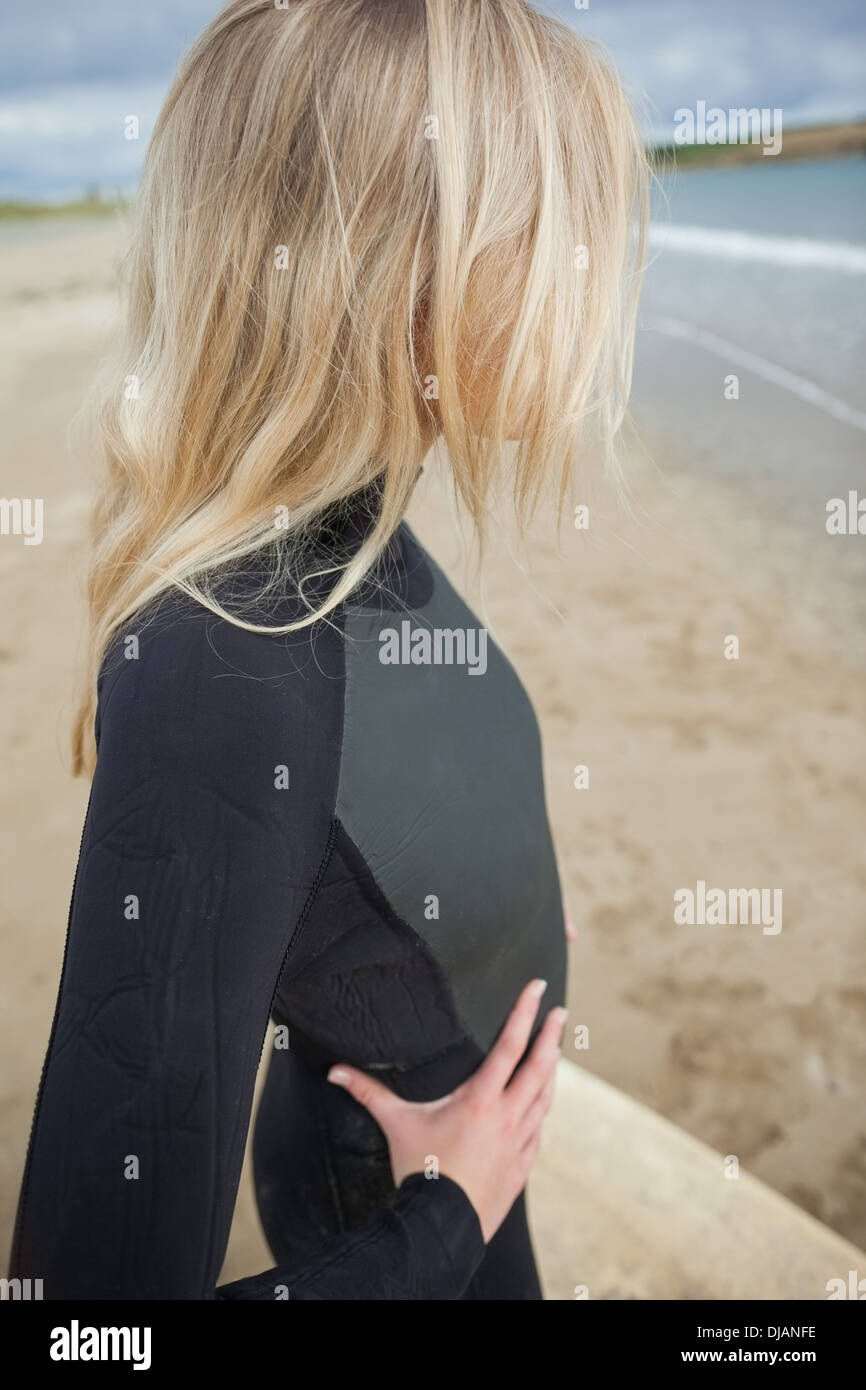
(71, 73)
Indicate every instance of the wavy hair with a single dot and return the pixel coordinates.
(362, 225)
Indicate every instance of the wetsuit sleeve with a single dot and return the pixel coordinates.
(426, 1246)
(206, 831)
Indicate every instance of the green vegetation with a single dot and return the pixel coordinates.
(92, 205)
(802, 142)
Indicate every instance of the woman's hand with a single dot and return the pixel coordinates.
(485, 1135)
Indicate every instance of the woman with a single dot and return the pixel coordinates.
(365, 226)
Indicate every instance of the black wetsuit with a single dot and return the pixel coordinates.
(314, 829)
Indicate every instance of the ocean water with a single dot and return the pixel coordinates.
(758, 275)
(772, 260)
(820, 199)
(759, 272)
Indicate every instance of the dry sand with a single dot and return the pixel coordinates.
(745, 773)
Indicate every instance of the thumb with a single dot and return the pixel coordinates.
(371, 1094)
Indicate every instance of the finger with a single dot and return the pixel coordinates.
(529, 1153)
(541, 1062)
(374, 1097)
(494, 1072)
(534, 1117)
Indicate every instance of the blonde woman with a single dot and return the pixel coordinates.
(364, 226)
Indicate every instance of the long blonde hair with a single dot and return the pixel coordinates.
(355, 217)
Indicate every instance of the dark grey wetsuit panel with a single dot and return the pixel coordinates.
(441, 790)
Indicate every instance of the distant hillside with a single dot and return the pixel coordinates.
(90, 206)
(805, 142)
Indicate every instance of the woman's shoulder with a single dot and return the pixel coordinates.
(250, 647)
(179, 667)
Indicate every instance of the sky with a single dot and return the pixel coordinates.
(71, 73)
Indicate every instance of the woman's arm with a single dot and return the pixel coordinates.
(485, 1135)
(207, 825)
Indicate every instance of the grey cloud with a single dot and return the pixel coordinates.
(54, 41)
(69, 73)
(806, 57)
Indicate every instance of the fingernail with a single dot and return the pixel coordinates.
(538, 988)
(560, 1015)
(339, 1076)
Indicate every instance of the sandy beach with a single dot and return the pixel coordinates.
(738, 773)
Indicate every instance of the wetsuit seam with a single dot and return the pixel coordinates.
(309, 903)
(364, 876)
